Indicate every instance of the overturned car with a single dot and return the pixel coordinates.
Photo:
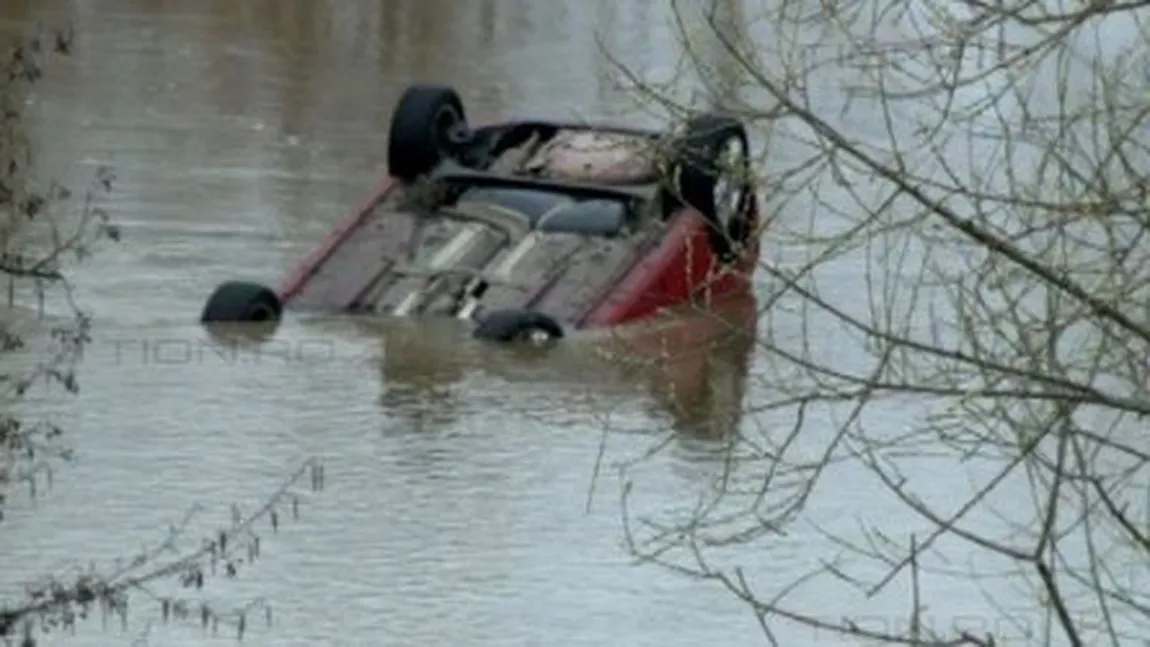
(530, 229)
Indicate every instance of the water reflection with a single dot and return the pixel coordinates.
(241, 131)
(693, 369)
(706, 364)
(241, 335)
(423, 370)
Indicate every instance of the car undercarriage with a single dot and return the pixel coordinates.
(526, 227)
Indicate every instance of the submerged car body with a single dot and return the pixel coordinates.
(690, 372)
(692, 369)
(530, 229)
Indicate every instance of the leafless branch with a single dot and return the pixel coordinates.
(956, 291)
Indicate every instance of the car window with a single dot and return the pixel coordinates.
(529, 202)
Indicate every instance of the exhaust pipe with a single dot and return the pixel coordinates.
(448, 256)
(502, 272)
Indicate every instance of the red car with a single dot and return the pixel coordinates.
(530, 229)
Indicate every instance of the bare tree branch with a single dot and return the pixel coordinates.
(41, 230)
(956, 290)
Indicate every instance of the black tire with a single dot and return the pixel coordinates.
(428, 124)
(239, 301)
(696, 167)
(517, 325)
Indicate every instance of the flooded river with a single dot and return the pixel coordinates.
(472, 497)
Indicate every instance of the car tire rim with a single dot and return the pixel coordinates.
(730, 183)
(538, 336)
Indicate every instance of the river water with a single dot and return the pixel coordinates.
(470, 497)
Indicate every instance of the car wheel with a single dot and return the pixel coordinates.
(428, 124)
(238, 301)
(518, 326)
(711, 172)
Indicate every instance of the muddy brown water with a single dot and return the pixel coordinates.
(472, 497)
